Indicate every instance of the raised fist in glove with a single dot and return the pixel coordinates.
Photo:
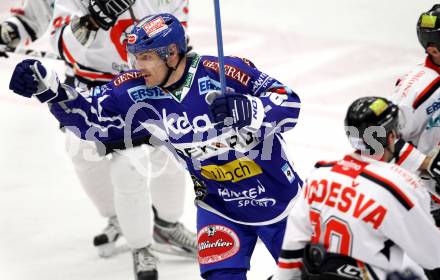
(106, 12)
(236, 110)
(30, 78)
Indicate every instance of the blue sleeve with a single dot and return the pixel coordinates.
(281, 104)
(100, 115)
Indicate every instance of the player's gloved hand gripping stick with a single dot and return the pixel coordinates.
(232, 109)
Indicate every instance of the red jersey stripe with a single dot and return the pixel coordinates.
(391, 187)
(290, 265)
(426, 93)
(405, 154)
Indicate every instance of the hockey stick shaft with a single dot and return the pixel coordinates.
(221, 61)
(29, 52)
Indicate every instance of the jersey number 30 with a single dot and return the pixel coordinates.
(334, 233)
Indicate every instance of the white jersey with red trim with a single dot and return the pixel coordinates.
(105, 56)
(32, 19)
(418, 96)
(369, 210)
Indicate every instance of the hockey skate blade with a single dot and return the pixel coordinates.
(171, 250)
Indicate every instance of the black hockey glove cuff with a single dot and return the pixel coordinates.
(106, 12)
(433, 274)
(434, 165)
(84, 29)
(9, 35)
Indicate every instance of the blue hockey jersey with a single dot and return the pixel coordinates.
(243, 176)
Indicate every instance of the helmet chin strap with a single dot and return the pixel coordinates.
(170, 70)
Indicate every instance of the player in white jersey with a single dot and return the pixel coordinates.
(26, 24)
(418, 95)
(90, 36)
(358, 216)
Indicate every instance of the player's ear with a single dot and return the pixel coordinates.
(172, 50)
(432, 50)
(391, 139)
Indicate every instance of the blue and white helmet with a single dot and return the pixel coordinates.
(156, 33)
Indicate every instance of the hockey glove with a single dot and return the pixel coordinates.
(106, 12)
(84, 29)
(9, 35)
(236, 110)
(434, 164)
(30, 78)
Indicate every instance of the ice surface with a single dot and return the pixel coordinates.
(329, 52)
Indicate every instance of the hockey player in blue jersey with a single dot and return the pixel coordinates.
(231, 143)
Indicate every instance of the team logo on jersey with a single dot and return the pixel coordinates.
(141, 93)
(206, 85)
(126, 77)
(233, 171)
(177, 125)
(254, 196)
(131, 38)
(433, 122)
(241, 142)
(261, 82)
(217, 243)
(230, 71)
(155, 26)
(288, 172)
(433, 107)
